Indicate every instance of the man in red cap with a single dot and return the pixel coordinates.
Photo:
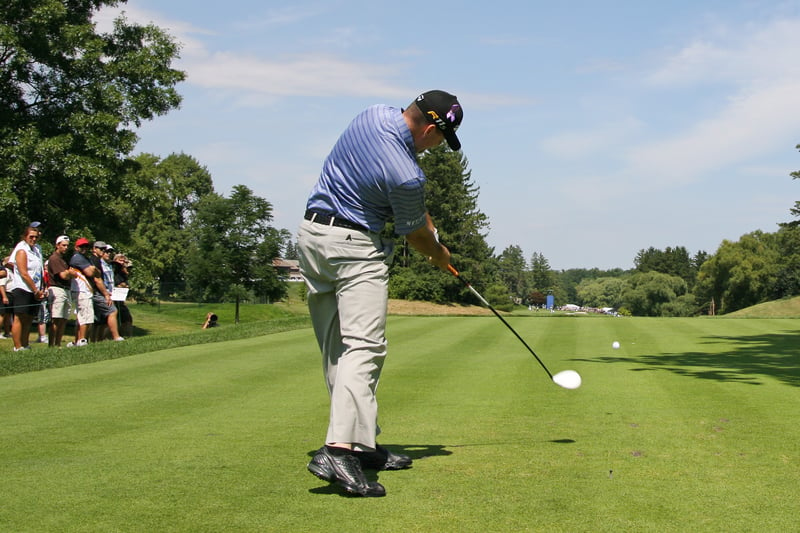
(83, 287)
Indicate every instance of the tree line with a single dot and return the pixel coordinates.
(759, 267)
(71, 99)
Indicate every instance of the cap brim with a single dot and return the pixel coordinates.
(452, 140)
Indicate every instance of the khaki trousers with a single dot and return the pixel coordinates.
(347, 274)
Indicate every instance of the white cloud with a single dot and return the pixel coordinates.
(758, 78)
(587, 143)
(752, 124)
(282, 16)
(308, 75)
(750, 55)
(253, 78)
(256, 81)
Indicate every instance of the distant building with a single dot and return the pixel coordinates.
(288, 269)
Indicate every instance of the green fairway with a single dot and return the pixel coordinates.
(691, 424)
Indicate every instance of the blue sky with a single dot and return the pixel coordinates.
(593, 129)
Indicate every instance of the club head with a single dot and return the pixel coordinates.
(569, 379)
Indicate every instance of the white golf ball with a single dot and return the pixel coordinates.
(615, 345)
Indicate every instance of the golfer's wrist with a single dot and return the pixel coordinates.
(441, 257)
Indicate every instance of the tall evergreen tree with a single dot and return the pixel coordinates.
(512, 270)
(452, 200)
(795, 211)
(542, 278)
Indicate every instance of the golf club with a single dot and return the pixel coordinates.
(569, 379)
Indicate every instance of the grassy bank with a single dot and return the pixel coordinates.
(785, 308)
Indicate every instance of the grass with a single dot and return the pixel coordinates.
(785, 308)
(40, 357)
(691, 424)
(162, 326)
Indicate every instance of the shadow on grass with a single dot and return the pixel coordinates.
(415, 451)
(743, 359)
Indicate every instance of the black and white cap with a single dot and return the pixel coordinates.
(443, 110)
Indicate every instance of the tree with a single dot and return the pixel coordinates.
(673, 261)
(567, 281)
(740, 274)
(697, 261)
(653, 294)
(231, 248)
(452, 201)
(70, 99)
(541, 275)
(787, 275)
(158, 201)
(796, 209)
(290, 250)
(602, 292)
(513, 271)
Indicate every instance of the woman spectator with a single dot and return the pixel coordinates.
(26, 286)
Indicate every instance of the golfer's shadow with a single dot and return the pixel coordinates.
(415, 451)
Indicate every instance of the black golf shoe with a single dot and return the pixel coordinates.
(345, 471)
(383, 459)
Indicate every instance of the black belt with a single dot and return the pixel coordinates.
(330, 220)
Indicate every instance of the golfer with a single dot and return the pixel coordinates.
(370, 177)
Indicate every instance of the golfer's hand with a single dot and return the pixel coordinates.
(441, 259)
(426, 241)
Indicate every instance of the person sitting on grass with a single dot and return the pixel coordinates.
(211, 321)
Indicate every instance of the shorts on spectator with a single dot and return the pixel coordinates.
(60, 302)
(101, 309)
(84, 309)
(25, 303)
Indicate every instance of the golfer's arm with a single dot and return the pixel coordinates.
(424, 241)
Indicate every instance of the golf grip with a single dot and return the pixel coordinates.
(467, 284)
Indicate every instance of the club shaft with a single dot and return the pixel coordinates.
(503, 320)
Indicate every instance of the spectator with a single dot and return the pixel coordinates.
(5, 304)
(211, 321)
(59, 295)
(99, 258)
(105, 262)
(26, 286)
(83, 288)
(121, 267)
(43, 314)
(105, 314)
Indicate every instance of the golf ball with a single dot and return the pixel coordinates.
(615, 345)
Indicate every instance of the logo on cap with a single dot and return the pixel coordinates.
(436, 104)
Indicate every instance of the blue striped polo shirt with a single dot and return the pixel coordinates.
(372, 174)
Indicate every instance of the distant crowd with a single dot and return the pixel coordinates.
(90, 283)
